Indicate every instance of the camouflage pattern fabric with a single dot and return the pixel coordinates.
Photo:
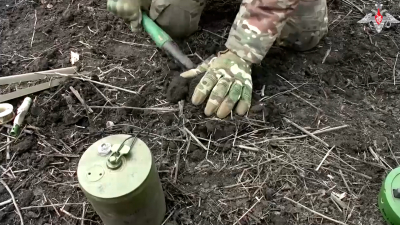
(306, 27)
(299, 24)
(227, 82)
(179, 18)
(293, 23)
(129, 10)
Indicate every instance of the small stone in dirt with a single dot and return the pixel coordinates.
(227, 146)
(35, 110)
(127, 129)
(31, 214)
(210, 125)
(44, 163)
(172, 145)
(177, 89)
(2, 215)
(173, 66)
(25, 145)
(38, 192)
(278, 220)
(257, 108)
(197, 155)
(164, 145)
(168, 119)
(95, 77)
(39, 65)
(269, 193)
(26, 198)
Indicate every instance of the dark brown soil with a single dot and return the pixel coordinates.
(354, 86)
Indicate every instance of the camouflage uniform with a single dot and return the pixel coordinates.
(299, 24)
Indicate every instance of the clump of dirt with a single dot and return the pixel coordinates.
(178, 89)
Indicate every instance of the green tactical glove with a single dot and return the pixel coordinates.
(227, 81)
(129, 10)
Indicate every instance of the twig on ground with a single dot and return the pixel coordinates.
(166, 219)
(307, 132)
(79, 97)
(178, 156)
(135, 44)
(135, 108)
(317, 213)
(54, 207)
(352, 4)
(254, 205)
(47, 206)
(34, 28)
(13, 199)
(327, 54)
(8, 146)
(6, 202)
(214, 34)
(345, 183)
(103, 84)
(394, 69)
(195, 138)
(309, 103)
(101, 93)
(75, 217)
(391, 151)
(83, 213)
(326, 156)
(382, 58)
(248, 148)
(347, 170)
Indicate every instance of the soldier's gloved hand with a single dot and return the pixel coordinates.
(227, 82)
(129, 10)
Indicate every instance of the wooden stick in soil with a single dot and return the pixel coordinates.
(6, 202)
(107, 85)
(317, 213)
(326, 156)
(195, 138)
(135, 108)
(13, 199)
(303, 136)
(394, 69)
(254, 205)
(307, 132)
(79, 97)
(83, 213)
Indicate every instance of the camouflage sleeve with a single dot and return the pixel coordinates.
(257, 25)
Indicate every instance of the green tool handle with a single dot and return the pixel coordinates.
(165, 42)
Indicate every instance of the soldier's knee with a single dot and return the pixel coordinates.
(179, 18)
(307, 26)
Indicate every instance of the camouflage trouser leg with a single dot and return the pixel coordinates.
(179, 18)
(259, 23)
(306, 27)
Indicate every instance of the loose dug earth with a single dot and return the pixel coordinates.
(245, 174)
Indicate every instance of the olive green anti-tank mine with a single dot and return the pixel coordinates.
(120, 180)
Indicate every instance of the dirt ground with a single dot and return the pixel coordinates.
(251, 167)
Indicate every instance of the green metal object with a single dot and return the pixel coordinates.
(20, 117)
(389, 198)
(165, 42)
(118, 176)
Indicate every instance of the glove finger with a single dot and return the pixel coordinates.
(218, 95)
(112, 6)
(202, 68)
(204, 87)
(245, 99)
(230, 100)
